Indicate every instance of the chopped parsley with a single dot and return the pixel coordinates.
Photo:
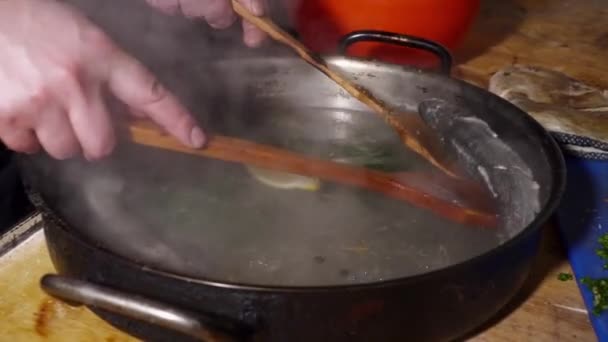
(603, 251)
(564, 276)
(599, 287)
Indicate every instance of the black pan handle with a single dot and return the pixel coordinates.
(399, 39)
(79, 292)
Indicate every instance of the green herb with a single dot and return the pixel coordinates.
(603, 251)
(381, 158)
(599, 289)
(564, 276)
(365, 152)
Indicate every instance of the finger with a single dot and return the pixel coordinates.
(17, 121)
(55, 134)
(217, 13)
(252, 36)
(169, 7)
(137, 113)
(91, 122)
(132, 83)
(256, 7)
(19, 107)
(22, 140)
(119, 109)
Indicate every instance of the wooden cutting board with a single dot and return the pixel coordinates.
(28, 314)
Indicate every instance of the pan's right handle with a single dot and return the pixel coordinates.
(79, 292)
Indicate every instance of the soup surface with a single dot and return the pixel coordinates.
(230, 223)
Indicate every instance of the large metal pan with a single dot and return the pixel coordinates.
(243, 260)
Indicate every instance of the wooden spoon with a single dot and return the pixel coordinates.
(412, 131)
(263, 156)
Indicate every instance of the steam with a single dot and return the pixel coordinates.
(103, 195)
(212, 220)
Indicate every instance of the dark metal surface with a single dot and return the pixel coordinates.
(437, 306)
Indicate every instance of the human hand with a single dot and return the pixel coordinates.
(218, 14)
(55, 68)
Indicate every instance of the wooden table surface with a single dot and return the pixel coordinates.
(565, 35)
(569, 36)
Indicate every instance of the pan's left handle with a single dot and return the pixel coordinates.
(399, 39)
(79, 292)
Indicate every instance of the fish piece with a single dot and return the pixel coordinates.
(575, 112)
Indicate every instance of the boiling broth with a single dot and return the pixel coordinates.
(213, 220)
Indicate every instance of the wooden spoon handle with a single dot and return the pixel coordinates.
(415, 135)
(263, 156)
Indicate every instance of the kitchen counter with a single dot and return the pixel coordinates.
(567, 35)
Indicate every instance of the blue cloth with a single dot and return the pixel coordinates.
(582, 218)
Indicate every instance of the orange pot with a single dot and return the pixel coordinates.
(321, 24)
